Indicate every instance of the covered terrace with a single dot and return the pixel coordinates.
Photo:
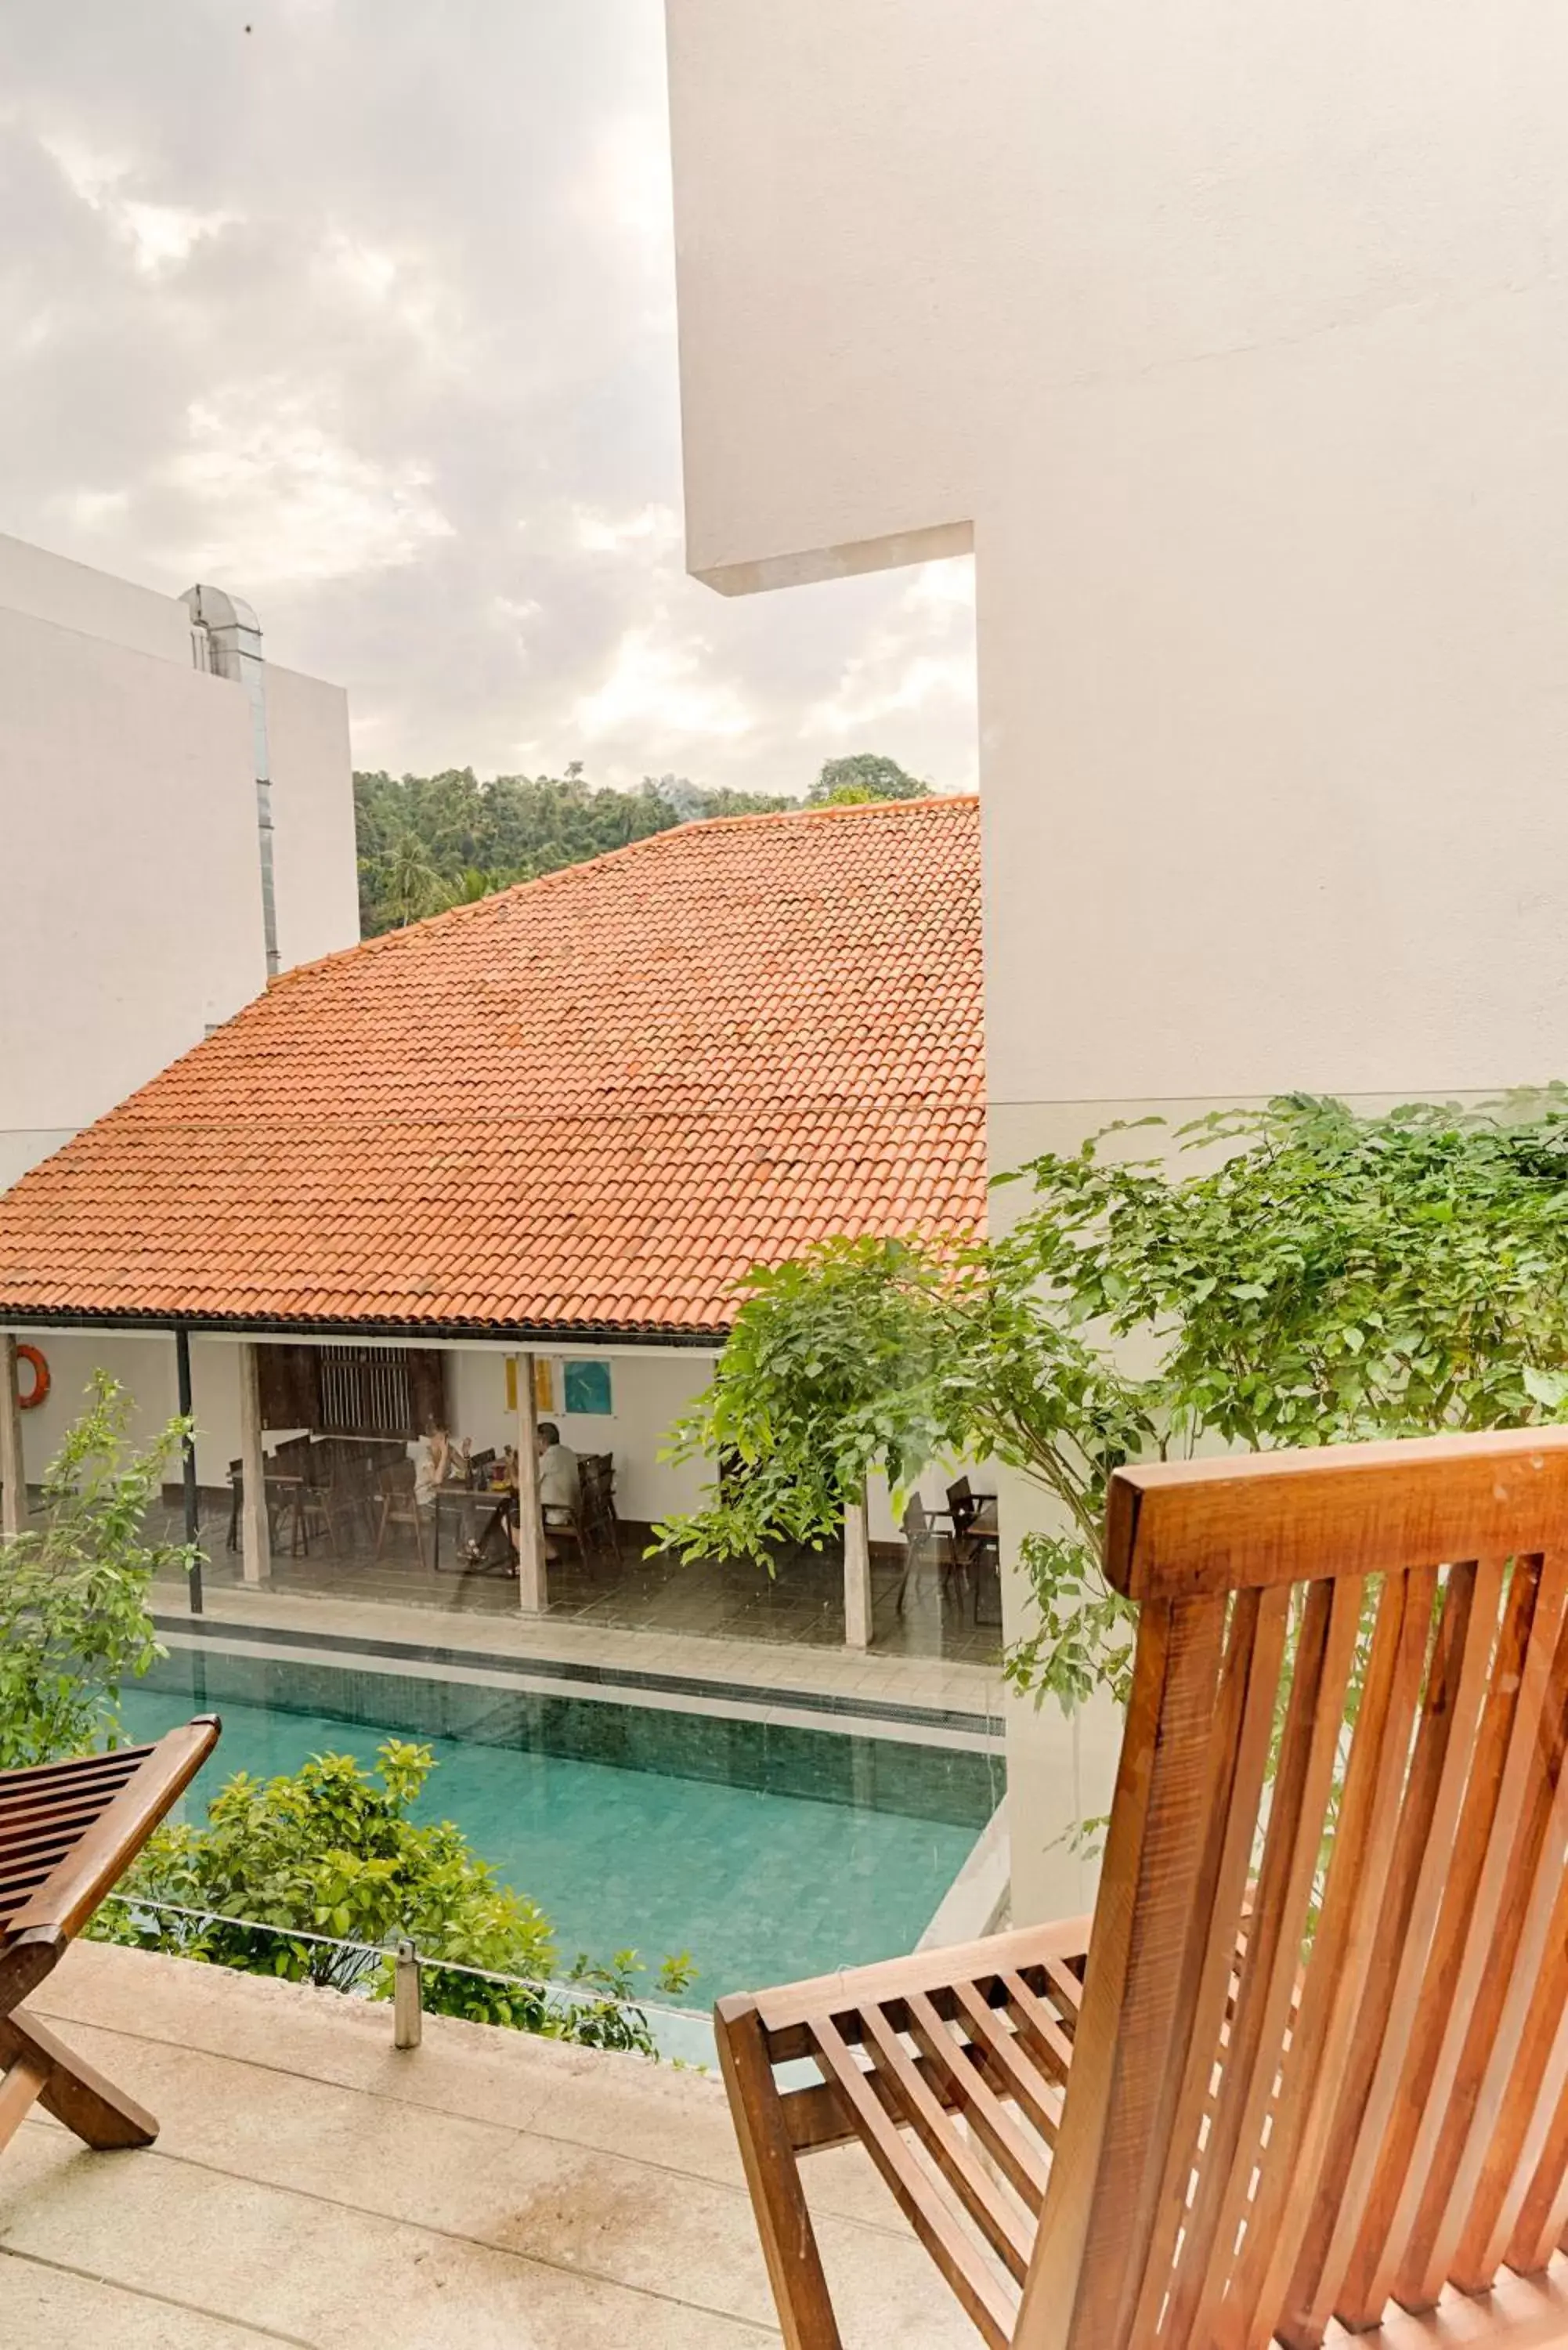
(508, 1165)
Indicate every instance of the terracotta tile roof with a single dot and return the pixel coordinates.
(590, 1102)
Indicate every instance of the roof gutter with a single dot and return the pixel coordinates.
(523, 1336)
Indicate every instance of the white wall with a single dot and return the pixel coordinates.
(649, 1392)
(49, 587)
(143, 1363)
(1236, 335)
(129, 882)
(131, 916)
(313, 862)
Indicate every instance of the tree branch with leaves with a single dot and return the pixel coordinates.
(1296, 1274)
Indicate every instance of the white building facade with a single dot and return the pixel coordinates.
(1231, 341)
(129, 839)
(134, 922)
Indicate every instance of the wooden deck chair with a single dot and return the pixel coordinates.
(68, 1832)
(1309, 2062)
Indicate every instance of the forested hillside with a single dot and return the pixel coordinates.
(427, 842)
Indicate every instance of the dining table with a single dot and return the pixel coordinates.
(468, 1503)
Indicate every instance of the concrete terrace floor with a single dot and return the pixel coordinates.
(314, 2187)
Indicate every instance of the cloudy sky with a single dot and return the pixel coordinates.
(367, 312)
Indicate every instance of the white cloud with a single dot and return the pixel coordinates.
(659, 685)
(657, 527)
(278, 498)
(425, 413)
(919, 663)
(157, 236)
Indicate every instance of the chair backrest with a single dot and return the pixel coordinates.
(915, 1522)
(396, 1480)
(961, 1504)
(68, 1831)
(1323, 2057)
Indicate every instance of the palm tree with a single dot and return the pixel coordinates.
(411, 887)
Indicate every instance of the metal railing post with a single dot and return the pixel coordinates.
(408, 2012)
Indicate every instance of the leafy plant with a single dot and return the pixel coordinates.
(332, 1851)
(865, 775)
(75, 1623)
(1317, 1277)
(832, 1368)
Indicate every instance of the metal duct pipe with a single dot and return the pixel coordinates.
(226, 637)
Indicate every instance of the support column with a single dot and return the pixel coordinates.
(188, 1466)
(12, 1467)
(533, 1593)
(857, 1576)
(256, 1539)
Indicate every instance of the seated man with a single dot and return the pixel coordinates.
(559, 1486)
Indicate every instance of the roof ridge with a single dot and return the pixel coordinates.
(451, 915)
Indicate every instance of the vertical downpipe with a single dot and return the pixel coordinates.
(226, 630)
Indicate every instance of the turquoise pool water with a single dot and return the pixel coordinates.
(766, 1851)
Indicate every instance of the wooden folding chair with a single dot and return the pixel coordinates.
(1311, 2061)
(68, 1832)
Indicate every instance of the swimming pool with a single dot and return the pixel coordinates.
(765, 1850)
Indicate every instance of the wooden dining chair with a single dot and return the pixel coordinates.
(68, 1832)
(597, 1474)
(399, 1506)
(1309, 2060)
(925, 1544)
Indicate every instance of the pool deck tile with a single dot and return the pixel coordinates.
(314, 2187)
(915, 1680)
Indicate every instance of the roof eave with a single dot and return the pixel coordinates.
(523, 1336)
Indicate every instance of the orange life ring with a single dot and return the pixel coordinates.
(40, 1387)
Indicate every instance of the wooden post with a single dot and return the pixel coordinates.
(857, 1576)
(188, 1466)
(531, 1578)
(256, 1539)
(12, 1467)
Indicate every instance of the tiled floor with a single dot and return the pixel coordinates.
(314, 2187)
(800, 1606)
(691, 1665)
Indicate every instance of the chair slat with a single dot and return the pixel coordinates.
(1543, 2221)
(1479, 1988)
(1485, 2096)
(979, 2288)
(1289, 2223)
(1099, 2213)
(40, 1777)
(1456, 1685)
(1240, 1752)
(1037, 2026)
(1324, 1647)
(912, 2101)
(1519, 2141)
(1019, 2156)
(1400, 2169)
(1013, 2073)
(20, 1830)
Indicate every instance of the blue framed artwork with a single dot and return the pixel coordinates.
(586, 1387)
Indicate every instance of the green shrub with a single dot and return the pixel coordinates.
(1317, 1277)
(332, 1851)
(75, 1622)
